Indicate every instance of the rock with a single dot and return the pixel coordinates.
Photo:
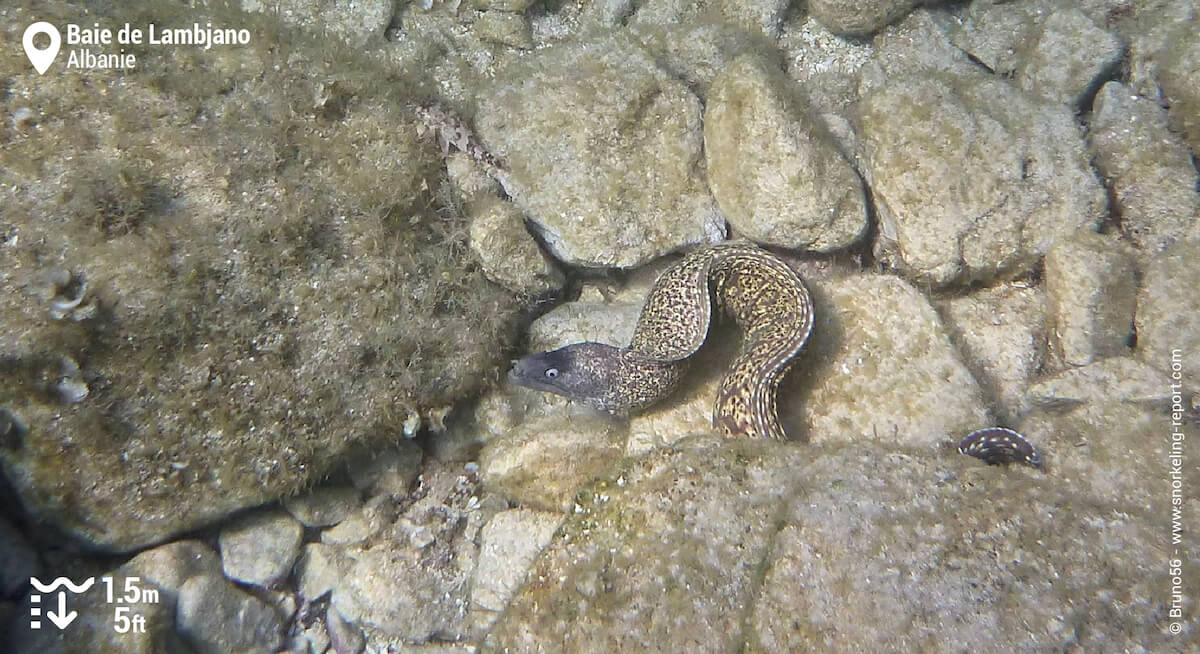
(509, 542)
(260, 548)
(963, 541)
(169, 566)
(509, 254)
(1109, 450)
(921, 42)
(206, 408)
(373, 517)
(1091, 295)
(1001, 333)
(311, 640)
(759, 17)
(214, 617)
(996, 34)
(972, 179)
(877, 337)
(850, 18)
(721, 529)
(586, 320)
(1051, 49)
(324, 506)
(826, 66)
(1149, 169)
(357, 22)
(1112, 380)
(772, 166)
(694, 50)
(320, 569)
(1153, 32)
(517, 6)
(544, 461)
(1069, 59)
(343, 636)
(1179, 78)
(388, 471)
(682, 528)
(494, 414)
(410, 579)
(505, 28)
(606, 165)
(1167, 307)
(18, 561)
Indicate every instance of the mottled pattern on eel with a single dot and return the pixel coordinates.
(766, 298)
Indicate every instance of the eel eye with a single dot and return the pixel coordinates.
(552, 372)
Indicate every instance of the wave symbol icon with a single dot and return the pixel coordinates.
(62, 581)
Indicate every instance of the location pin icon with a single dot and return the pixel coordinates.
(41, 59)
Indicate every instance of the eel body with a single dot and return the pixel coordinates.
(767, 299)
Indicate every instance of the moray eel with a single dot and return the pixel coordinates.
(767, 299)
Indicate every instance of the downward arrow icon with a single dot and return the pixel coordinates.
(62, 618)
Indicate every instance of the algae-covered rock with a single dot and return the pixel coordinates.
(1001, 333)
(544, 461)
(211, 289)
(720, 545)
(357, 22)
(603, 150)
(1091, 294)
(879, 367)
(695, 50)
(772, 165)
(1167, 329)
(858, 18)
(972, 179)
(1108, 381)
(891, 552)
(662, 556)
(505, 28)
(1179, 78)
(509, 254)
(1051, 49)
(1149, 168)
(409, 579)
(1068, 59)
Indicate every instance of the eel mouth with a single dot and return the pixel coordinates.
(526, 373)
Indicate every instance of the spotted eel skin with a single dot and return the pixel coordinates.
(767, 299)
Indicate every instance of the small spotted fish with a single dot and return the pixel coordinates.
(999, 445)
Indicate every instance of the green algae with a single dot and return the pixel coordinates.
(274, 272)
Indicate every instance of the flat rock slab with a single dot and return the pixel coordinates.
(603, 150)
(718, 545)
(972, 178)
(661, 559)
(880, 366)
(774, 169)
